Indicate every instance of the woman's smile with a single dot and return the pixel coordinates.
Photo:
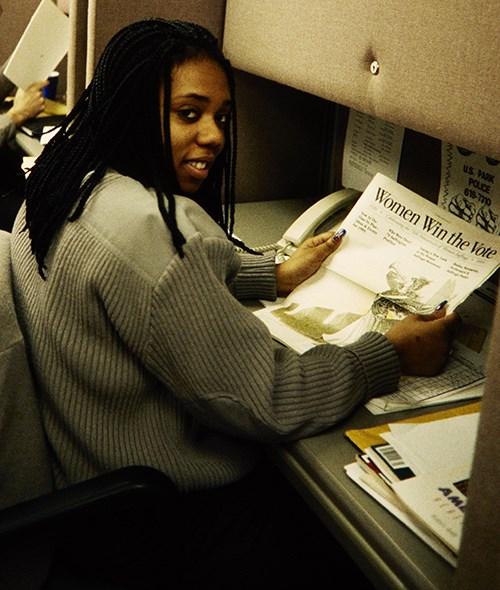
(199, 168)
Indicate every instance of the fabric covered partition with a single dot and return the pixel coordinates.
(106, 18)
(94, 22)
(14, 18)
(428, 65)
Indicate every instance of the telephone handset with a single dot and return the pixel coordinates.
(324, 215)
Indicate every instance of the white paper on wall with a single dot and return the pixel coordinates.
(370, 146)
(470, 187)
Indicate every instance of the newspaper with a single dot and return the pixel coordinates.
(401, 254)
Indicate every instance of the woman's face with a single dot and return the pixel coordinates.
(199, 113)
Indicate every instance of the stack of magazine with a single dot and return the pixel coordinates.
(419, 471)
(401, 254)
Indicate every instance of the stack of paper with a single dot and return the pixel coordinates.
(419, 472)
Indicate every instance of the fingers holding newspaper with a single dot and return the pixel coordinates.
(423, 342)
(306, 260)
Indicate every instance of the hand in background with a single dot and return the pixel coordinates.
(423, 341)
(305, 261)
(27, 103)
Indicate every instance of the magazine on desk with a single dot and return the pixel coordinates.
(401, 254)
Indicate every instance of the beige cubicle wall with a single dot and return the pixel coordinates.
(14, 18)
(94, 22)
(428, 65)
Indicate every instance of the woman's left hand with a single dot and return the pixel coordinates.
(305, 261)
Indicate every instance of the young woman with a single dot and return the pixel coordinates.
(127, 287)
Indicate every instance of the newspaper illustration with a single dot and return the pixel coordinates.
(401, 254)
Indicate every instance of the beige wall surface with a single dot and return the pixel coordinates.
(106, 18)
(93, 22)
(281, 135)
(15, 17)
(438, 69)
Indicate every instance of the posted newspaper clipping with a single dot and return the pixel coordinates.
(401, 254)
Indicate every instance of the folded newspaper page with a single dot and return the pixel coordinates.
(401, 254)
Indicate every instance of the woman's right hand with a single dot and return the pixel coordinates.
(306, 260)
(423, 342)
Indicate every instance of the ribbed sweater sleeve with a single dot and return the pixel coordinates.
(256, 278)
(6, 86)
(229, 372)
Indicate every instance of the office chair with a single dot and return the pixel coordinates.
(64, 539)
(77, 529)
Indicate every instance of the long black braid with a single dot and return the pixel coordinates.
(116, 124)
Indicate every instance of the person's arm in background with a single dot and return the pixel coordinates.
(27, 104)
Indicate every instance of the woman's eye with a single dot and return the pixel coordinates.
(223, 119)
(188, 114)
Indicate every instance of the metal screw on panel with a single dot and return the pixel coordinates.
(374, 67)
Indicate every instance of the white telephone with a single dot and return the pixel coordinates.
(325, 215)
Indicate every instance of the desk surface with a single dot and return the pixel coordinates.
(390, 554)
(29, 145)
(53, 115)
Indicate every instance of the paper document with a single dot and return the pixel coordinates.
(433, 446)
(401, 254)
(365, 437)
(41, 48)
(438, 500)
(395, 506)
(470, 187)
(370, 146)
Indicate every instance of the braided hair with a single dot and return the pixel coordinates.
(105, 130)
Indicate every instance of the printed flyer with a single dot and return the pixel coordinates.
(470, 187)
